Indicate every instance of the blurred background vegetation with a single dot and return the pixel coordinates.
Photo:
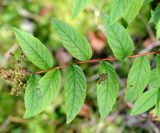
(35, 16)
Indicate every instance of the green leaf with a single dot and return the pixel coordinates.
(119, 39)
(158, 30)
(39, 94)
(158, 63)
(75, 91)
(138, 78)
(157, 107)
(133, 10)
(119, 8)
(154, 83)
(32, 97)
(76, 44)
(49, 86)
(147, 1)
(35, 51)
(155, 16)
(155, 78)
(145, 102)
(78, 6)
(107, 90)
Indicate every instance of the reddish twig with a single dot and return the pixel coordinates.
(96, 60)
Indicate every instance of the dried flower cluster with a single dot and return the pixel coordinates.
(15, 76)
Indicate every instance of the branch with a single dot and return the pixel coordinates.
(96, 60)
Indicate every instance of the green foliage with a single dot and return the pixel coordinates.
(107, 89)
(32, 97)
(76, 44)
(158, 63)
(35, 51)
(156, 84)
(138, 78)
(133, 10)
(157, 107)
(119, 40)
(154, 78)
(118, 9)
(75, 91)
(40, 93)
(78, 6)
(49, 86)
(155, 19)
(158, 30)
(147, 1)
(155, 15)
(145, 102)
